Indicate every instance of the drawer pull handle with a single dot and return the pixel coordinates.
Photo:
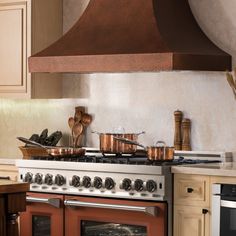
(190, 190)
(5, 177)
(204, 211)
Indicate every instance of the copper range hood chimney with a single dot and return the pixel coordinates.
(132, 35)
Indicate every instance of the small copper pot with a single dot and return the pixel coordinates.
(160, 152)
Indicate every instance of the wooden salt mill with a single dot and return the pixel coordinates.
(186, 130)
(178, 137)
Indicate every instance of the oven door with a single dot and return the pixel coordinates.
(86, 216)
(43, 216)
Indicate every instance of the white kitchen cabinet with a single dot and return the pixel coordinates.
(26, 27)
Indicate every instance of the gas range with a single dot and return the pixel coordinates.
(129, 177)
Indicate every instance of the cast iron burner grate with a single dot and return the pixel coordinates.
(128, 160)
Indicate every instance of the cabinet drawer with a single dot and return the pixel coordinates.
(191, 190)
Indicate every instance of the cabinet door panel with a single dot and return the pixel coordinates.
(190, 221)
(41, 219)
(13, 60)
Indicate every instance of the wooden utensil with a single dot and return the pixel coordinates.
(86, 119)
(71, 122)
(77, 130)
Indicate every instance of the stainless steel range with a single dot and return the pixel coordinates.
(113, 177)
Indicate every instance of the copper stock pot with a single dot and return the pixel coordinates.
(108, 143)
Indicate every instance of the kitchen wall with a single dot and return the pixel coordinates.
(139, 101)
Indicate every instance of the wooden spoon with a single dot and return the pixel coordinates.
(71, 122)
(86, 119)
(77, 130)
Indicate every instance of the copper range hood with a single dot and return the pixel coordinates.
(132, 35)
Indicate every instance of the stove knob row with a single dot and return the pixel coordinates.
(138, 185)
(96, 183)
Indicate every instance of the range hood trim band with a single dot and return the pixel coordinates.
(127, 63)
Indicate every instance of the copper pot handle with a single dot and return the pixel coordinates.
(164, 147)
(128, 141)
(143, 132)
(160, 142)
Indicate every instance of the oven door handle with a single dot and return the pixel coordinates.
(55, 202)
(150, 210)
(228, 204)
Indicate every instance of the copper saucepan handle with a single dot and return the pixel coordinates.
(28, 141)
(128, 141)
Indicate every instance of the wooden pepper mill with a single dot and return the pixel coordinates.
(186, 130)
(178, 136)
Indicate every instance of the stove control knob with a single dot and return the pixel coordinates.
(60, 180)
(75, 182)
(38, 178)
(48, 179)
(138, 185)
(97, 182)
(126, 184)
(109, 183)
(151, 186)
(86, 182)
(28, 177)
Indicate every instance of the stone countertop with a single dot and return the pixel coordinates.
(213, 169)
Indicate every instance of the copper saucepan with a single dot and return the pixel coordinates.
(110, 145)
(159, 152)
(56, 151)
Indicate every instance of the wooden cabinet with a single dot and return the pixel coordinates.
(12, 201)
(26, 27)
(191, 205)
(10, 171)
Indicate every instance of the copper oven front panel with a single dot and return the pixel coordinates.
(76, 217)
